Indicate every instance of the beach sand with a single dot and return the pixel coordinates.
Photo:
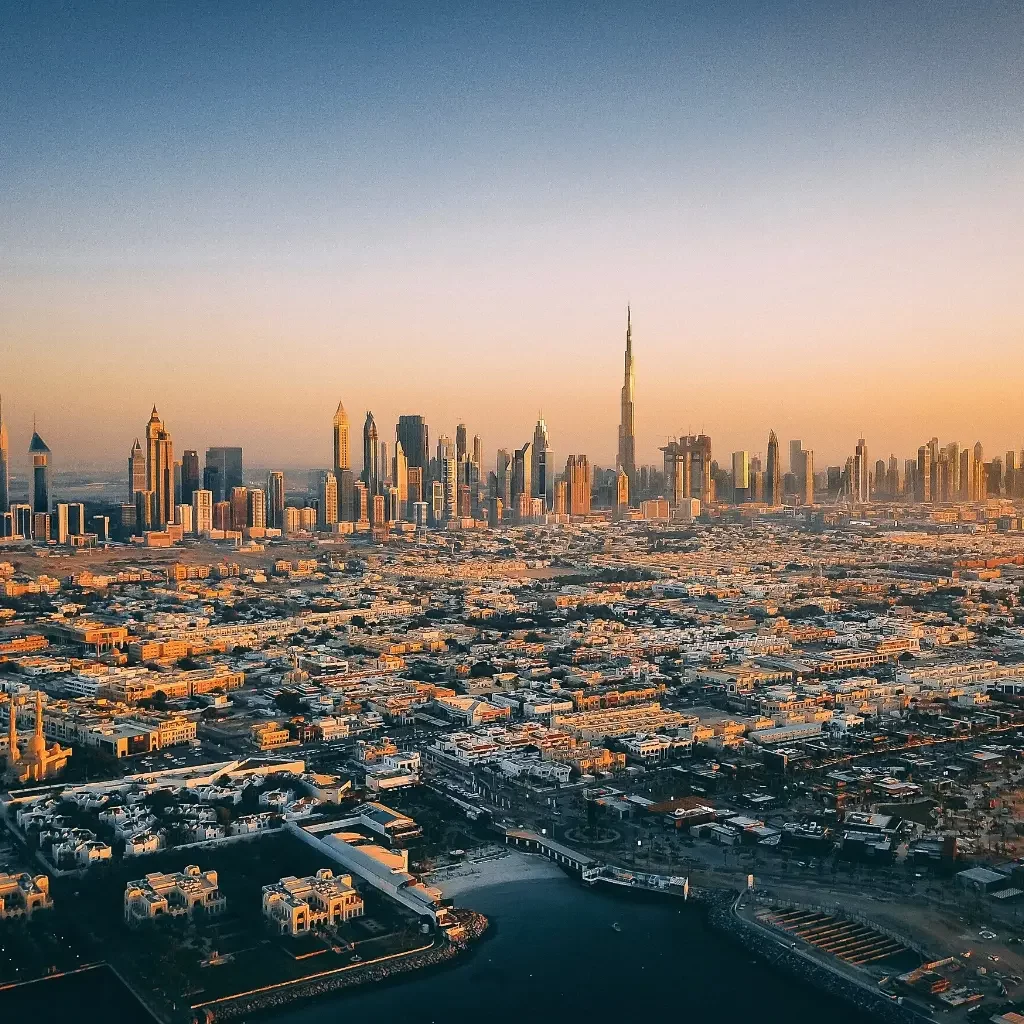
(495, 868)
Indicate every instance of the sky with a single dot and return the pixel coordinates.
(247, 212)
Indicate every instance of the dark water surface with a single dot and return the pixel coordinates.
(554, 957)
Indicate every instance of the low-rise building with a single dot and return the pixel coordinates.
(23, 894)
(174, 894)
(296, 905)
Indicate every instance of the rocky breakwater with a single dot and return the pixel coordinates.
(467, 927)
(771, 948)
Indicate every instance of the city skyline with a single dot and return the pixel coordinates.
(820, 253)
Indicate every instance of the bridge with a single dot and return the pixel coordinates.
(590, 870)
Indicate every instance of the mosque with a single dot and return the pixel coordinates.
(33, 762)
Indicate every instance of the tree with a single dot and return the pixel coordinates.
(160, 700)
(289, 703)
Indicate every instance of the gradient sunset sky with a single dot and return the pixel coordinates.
(246, 212)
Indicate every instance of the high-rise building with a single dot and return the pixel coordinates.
(327, 501)
(257, 517)
(400, 477)
(979, 479)
(795, 458)
(923, 477)
(136, 470)
(191, 480)
(59, 523)
(416, 493)
(160, 470)
(222, 515)
(806, 477)
(503, 477)
(626, 458)
(239, 499)
(522, 473)
(448, 473)
(461, 442)
(412, 432)
(76, 519)
(223, 471)
(5, 464)
(145, 510)
(773, 472)
(542, 469)
(577, 479)
(342, 446)
(621, 494)
(183, 517)
(860, 482)
(741, 476)
(688, 472)
(371, 456)
(478, 451)
(275, 500)
(40, 455)
(21, 515)
(892, 477)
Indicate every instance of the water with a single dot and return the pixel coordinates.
(554, 956)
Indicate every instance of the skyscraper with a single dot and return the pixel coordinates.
(522, 473)
(136, 470)
(5, 465)
(223, 471)
(160, 470)
(860, 482)
(401, 481)
(257, 508)
(577, 478)
(449, 477)
(461, 442)
(239, 508)
(806, 476)
(542, 469)
(371, 457)
(327, 501)
(626, 459)
(202, 512)
(741, 476)
(190, 478)
(342, 449)
(795, 457)
(413, 434)
(773, 472)
(275, 500)
(40, 454)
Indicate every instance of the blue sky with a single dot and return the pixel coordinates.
(807, 204)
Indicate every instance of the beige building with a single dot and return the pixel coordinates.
(297, 905)
(175, 894)
(22, 895)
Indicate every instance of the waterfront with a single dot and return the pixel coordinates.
(554, 954)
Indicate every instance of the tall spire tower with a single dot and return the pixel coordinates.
(626, 460)
(5, 473)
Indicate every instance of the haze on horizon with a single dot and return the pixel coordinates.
(245, 214)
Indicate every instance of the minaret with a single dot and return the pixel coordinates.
(626, 460)
(13, 754)
(37, 744)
